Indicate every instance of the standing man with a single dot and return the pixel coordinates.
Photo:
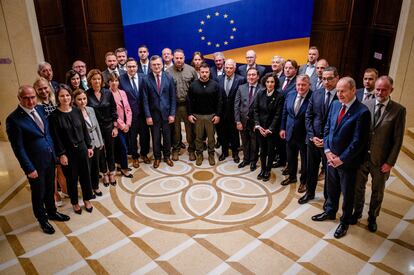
(278, 63)
(293, 130)
(121, 57)
(218, 69)
(387, 132)
(112, 67)
(183, 75)
(310, 67)
(44, 70)
(204, 109)
(345, 144)
(143, 64)
(320, 67)
(159, 105)
(28, 132)
(316, 116)
(227, 132)
(167, 58)
(368, 92)
(133, 85)
(288, 81)
(243, 115)
(251, 63)
(80, 67)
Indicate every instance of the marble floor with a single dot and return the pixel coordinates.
(203, 220)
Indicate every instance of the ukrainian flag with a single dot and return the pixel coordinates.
(270, 27)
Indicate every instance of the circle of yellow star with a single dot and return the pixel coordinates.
(209, 43)
(217, 13)
(200, 30)
(231, 21)
(234, 29)
(208, 16)
(225, 15)
(225, 42)
(217, 45)
(231, 36)
(202, 22)
(203, 38)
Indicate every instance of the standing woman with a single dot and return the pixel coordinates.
(46, 98)
(102, 101)
(73, 147)
(268, 107)
(196, 62)
(80, 101)
(124, 123)
(73, 79)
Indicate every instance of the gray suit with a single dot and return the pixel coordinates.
(106, 74)
(385, 143)
(313, 77)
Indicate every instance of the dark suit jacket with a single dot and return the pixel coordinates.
(360, 94)
(313, 77)
(294, 125)
(243, 111)
(242, 70)
(316, 115)
(213, 73)
(106, 73)
(140, 70)
(290, 87)
(33, 148)
(268, 114)
(387, 134)
(349, 139)
(55, 85)
(228, 100)
(159, 105)
(136, 100)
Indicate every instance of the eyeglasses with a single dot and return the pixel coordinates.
(28, 97)
(328, 78)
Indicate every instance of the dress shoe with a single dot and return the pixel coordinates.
(97, 192)
(260, 176)
(211, 159)
(372, 225)
(253, 166)
(323, 216)
(135, 163)
(156, 163)
(105, 180)
(222, 157)
(47, 227)
(199, 160)
(191, 156)
(126, 174)
(145, 159)
(77, 209)
(288, 181)
(89, 209)
(182, 145)
(354, 218)
(302, 188)
(341, 230)
(242, 164)
(278, 164)
(175, 156)
(305, 198)
(266, 176)
(169, 162)
(236, 158)
(59, 217)
(285, 171)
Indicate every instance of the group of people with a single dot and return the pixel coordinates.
(81, 131)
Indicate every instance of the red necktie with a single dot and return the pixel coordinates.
(341, 114)
(286, 84)
(158, 83)
(251, 94)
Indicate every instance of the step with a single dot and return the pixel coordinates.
(408, 146)
(406, 164)
(410, 132)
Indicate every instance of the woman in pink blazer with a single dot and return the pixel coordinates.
(124, 123)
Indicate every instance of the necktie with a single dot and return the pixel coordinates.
(251, 94)
(228, 85)
(158, 83)
(327, 100)
(319, 85)
(341, 114)
(134, 85)
(286, 84)
(85, 83)
(38, 121)
(366, 96)
(377, 114)
(298, 102)
(144, 67)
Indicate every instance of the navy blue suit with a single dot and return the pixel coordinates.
(242, 70)
(289, 88)
(138, 125)
(295, 134)
(227, 133)
(159, 106)
(34, 151)
(315, 120)
(349, 141)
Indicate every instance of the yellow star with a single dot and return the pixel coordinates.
(217, 45)
(231, 21)
(217, 13)
(202, 22)
(209, 43)
(208, 16)
(234, 29)
(200, 30)
(225, 15)
(225, 42)
(203, 38)
(231, 36)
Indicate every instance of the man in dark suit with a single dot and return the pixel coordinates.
(293, 130)
(133, 85)
(218, 69)
(45, 70)
(143, 64)
(368, 92)
(387, 132)
(29, 136)
(317, 82)
(310, 67)
(160, 106)
(121, 57)
(112, 67)
(243, 115)
(251, 63)
(227, 133)
(345, 144)
(315, 120)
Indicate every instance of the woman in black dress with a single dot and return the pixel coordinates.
(268, 106)
(102, 101)
(73, 147)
